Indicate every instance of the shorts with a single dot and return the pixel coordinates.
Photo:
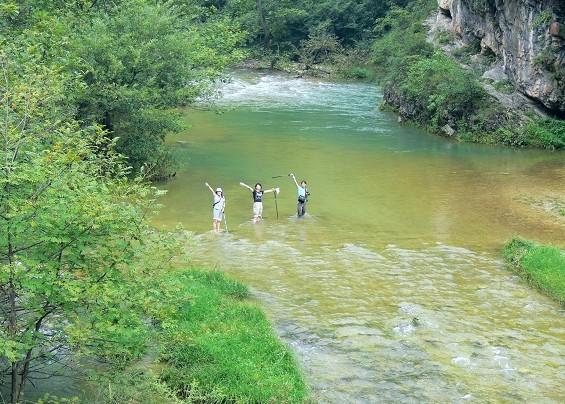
(257, 209)
(218, 214)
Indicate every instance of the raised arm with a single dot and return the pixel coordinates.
(210, 188)
(294, 178)
(269, 190)
(246, 186)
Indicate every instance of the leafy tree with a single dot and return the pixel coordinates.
(321, 46)
(287, 23)
(73, 232)
(141, 59)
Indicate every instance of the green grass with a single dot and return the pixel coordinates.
(223, 349)
(543, 266)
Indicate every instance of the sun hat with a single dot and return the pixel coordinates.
(219, 189)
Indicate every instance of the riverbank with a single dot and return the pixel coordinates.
(357, 69)
(448, 86)
(542, 266)
(213, 344)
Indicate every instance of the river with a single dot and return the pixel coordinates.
(392, 287)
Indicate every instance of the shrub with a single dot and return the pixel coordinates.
(542, 19)
(442, 88)
(443, 37)
(504, 86)
(546, 133)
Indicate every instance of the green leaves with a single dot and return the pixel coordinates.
(137, 61)
(75, 245)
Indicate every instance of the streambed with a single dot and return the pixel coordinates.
(392, 288)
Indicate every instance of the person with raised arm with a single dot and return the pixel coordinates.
(303, 195)
(258, 193)
(218, 207)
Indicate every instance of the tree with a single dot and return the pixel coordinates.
(73, 231)
(321, 46)
(139, 60)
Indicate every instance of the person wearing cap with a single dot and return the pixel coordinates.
(218, 207)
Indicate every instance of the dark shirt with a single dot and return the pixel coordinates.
(257, 196)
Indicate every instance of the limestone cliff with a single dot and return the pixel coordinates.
(527, 36)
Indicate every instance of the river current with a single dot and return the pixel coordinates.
(392, 288)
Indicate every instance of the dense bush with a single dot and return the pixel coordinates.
(443, 91)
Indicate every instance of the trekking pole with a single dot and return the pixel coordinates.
(226, 222)
(276, 203)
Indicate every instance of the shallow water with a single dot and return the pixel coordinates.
(392, 288)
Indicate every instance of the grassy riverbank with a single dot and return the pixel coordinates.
(543, 266)
(217, 346)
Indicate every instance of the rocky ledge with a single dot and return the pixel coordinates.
(527, 36)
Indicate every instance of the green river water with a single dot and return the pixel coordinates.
(392, 288)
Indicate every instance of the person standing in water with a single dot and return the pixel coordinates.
(258, 193)
(218, 207)
(302, 196)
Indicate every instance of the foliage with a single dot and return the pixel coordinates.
(357, 73)
(543, 19)
(504, 86)
(432, 89)
(543, 266)
(139, 59)
(401, 38)
(440, 89)
(444, 37)
(288, 23)
(547, 133)
(471, 48)
(74, 239)
(223, 349)
(321, 46)
(133, 386)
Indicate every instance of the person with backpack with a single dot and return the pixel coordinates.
(258, 193)
(218, 207)
(303, 195)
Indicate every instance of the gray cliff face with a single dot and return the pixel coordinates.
(527, 35)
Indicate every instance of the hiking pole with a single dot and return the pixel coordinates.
(226, 222)
(276, 203)
(281, 176)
